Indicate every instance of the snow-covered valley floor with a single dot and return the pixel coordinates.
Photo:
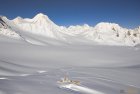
(36, 53)
(34, 69)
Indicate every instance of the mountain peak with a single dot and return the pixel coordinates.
(40, 16)
(18, 19)
(107, 24)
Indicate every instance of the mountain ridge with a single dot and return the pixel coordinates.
(102, 33)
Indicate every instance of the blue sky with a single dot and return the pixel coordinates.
(72, 12)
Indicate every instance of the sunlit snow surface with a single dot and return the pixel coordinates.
(34, 69)
(36, 53)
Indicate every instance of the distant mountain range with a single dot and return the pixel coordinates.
(41, 30)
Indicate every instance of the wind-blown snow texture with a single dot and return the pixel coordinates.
(26, 68)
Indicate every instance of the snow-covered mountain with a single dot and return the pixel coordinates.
(40, 24)
(113, 34)
(103, 33)
(5, 30)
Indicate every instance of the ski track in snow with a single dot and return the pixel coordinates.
(81, 89)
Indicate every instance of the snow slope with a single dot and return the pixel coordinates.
(34, 69)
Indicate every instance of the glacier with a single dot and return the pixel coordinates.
(35, 53)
